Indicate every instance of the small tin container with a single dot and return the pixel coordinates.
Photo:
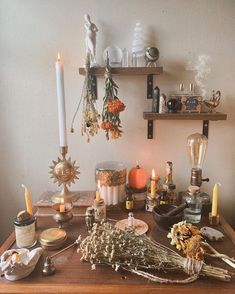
(100, 210)
(25, 230)
(151, 202)
(53, 238)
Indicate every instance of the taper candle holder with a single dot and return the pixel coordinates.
(64, 172)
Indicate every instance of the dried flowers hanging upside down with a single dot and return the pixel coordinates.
(111, 122)
(90, 115)
(107, 245)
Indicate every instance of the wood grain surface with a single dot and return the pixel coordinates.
(74, 276)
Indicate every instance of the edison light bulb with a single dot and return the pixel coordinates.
(196, 146)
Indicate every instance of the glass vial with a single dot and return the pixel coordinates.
(192, 214)
(100, 210)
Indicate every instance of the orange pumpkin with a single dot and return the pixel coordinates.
(137, 178)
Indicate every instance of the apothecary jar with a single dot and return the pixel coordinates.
(112, 176)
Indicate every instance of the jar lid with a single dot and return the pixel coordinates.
(52, 236)
(24, 218)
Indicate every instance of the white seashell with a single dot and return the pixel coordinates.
(19, 263)
(212, 234)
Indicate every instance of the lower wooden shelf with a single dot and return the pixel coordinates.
(204, 116)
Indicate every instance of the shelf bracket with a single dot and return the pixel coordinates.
(150, 129)
(149, 86)
(205, 128)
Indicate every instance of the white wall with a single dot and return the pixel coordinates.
(32, 32)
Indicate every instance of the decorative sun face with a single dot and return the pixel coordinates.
(64, 171)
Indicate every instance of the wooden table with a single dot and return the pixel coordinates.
(74, 276)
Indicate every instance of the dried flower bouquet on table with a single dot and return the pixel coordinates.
(107, 245)
(112, 107)
(189, 239)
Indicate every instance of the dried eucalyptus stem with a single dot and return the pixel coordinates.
(107, 245)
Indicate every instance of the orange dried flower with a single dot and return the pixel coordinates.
(116, 106)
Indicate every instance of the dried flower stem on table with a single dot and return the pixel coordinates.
(90, 115)
(107, 245)
(112, 107)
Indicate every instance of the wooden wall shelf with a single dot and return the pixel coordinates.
(185, 116)
(204, 116)
(125, 71)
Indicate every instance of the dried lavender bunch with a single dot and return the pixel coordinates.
(107, 245)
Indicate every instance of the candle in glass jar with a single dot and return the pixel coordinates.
(153, 184)
(97, 194)
(61, 101)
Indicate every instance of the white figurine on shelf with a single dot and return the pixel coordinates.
(90, 39)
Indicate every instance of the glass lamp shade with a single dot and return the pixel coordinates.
(196, 146)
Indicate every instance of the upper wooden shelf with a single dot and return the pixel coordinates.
(125, 71)
(185, 116)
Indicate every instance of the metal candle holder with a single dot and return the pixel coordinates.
(64, 172)
(62, 217)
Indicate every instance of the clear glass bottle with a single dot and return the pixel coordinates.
(125, 55)
(192, 214)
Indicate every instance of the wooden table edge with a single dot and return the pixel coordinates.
(105, 289)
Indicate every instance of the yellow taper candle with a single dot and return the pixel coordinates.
(153, 184)
(215, 199)
(28, 200)
(97, 194)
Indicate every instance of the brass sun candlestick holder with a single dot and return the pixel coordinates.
(64, 172)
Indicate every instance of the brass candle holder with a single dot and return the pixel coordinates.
(214, 219)
(64, 172)
(62, 217)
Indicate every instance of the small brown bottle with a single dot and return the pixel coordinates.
(129, 202)
(163, 197)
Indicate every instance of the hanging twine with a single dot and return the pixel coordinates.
(193, 266)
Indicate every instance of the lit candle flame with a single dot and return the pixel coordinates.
(58, 56)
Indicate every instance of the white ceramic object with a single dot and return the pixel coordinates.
(212, 234)
(90, 40)
(115, 56)
(19, 263)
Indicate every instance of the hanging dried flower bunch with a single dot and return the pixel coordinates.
(112, 107)
(90, 115)
(107, 245)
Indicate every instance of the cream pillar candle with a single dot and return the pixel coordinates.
(97, 194)
(115, 195)
(61, 101)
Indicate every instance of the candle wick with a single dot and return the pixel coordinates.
(23, 186)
